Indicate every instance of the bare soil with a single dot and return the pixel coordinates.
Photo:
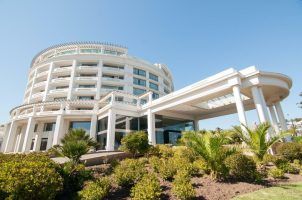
(207, 189)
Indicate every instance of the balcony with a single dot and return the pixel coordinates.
(42, 74)
(40, 85)
(85, 91)
(113, 70)
(88, 79)
(86, 68)
(62, 70)
(56, 92)
(37, 96)
(60, 80)
(112, 80)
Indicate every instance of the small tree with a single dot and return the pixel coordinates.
(74, 144)
(211, 148)
(135, 143)
(256, 139)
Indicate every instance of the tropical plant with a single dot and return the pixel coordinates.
(256, 139)
(74, 144)
(211, 148)
(148, 188)
(135, 143)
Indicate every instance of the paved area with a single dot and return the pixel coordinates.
(95, 158)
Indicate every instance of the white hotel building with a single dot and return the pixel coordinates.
(102, 89)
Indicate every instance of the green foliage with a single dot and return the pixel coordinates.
(297, 139)
(155, 163)
(210, 148)
(129, 171)
(165, 151)
(148, 188)
(276, 173)
(97, 190)
(256, 139)
(201, 167)
(135, 143)
(74, 144)
(74, 177)
(182, 187)
(269, 158)
(184, 152)
(290, 150)
(167, 168)
(283, 164)
(241, 167)
(31, 176)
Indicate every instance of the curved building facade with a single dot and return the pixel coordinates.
(100, 88)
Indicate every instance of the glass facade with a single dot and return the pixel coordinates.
(49, 127)
(80, 125)
(153, 86)
(138, 81)
(139, 72)
(168, 130)
(153, 77)
(137, 91)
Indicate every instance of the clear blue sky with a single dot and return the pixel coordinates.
(194, 38)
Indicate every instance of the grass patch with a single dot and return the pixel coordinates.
(282, 192)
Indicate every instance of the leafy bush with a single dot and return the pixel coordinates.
(148, 188)
(276, 173)
(135, 143)
(241, 167)
(182, 187)
(184, 152)
(74, 177)
(288, 168)
(290, 150)
(268, 158)
(97, 190)
(129, 171)
(31, 176)
(200, 167)
(165, 151)
(167, 168)
(155, 163)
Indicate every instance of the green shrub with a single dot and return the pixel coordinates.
(279, 161)
(97, 190)
(182, 187)
(290, 150)
(268, 158)
(165, 151)
(276, 173)
(74, 177)
(241, 167)
(135, 143)
(155, 163)
(129, 171)
(31, 176)
(148, 188)
(167, 168)
(288, 168)
(200, 167)
(184, 152)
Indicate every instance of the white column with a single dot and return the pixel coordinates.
(239, 106)
(17, 142)
(71, 83)
(58, 133)
(99, 81)
(28, 134)
(9, 140)
(281, 116)
(20, 141)
(32, 86)
(127, 125)
(151, 127)
(260, 105)
(196, 124)
(111, 130)
(93, 124)
(38, 137)
(48, 81)
(274, 119)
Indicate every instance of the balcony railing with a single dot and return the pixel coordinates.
(112, 79)
(45, 73)
(62, 69)
(37, 95)
(40, 84)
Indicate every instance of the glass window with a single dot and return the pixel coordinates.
(36, 128)
(32, 144)
(112, 66)
(153, 86)
(137, 91)
(48, 127)
(138, 81)
(43, 144)
(102, 139)
(80, 125)
(91, 51)
(166, 90)
(139, 72)
(155, 96)
(153, 77)
(88, 75)
(112, 87)
(86, 97)
(86, 86)
(60, 99)
(102, 124)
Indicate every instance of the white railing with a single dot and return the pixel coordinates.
(87, 78)
(112, 79)
(43, 83)
(60, 80)
(36, 95)
(59, 90)
(85, 89)
(42, 74)
(62, 69)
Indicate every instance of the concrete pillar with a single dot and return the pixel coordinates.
(17, 142)
(48, 81)
(9, 140)
(20, 141)
(274, 119)
(151, 127)
(28, 134)
(260, 105)
(38, 137)
(99, 81)
(93, 126)
(58, 133)
(127, 125)
(72, 76)
(239, 106)
(196, 125)
(281, 116)
(111, 130)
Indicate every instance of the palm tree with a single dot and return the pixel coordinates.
(257, 140)
(74, 144)
(211, 148)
